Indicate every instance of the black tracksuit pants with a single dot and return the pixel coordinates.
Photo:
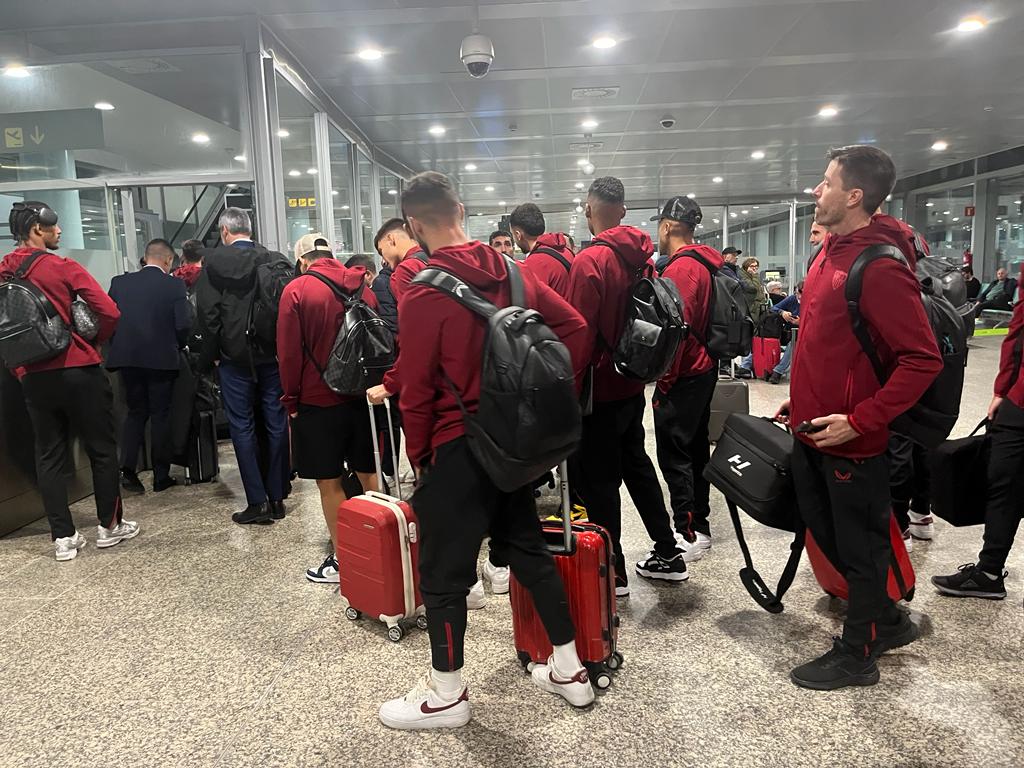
(457, 505)
(1005, 502)
(681, 419)
(909, 478)
(612, 452)
(66, 403)
(845, 504)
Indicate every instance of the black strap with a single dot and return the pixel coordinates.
(763, 596)
(553, 254)
(19, 274)
(854, 288)
(447, 283)
(815, 252)
(421, 256)
(345, 298)
(27, 264)
(694, 255)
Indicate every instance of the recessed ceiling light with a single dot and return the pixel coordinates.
(956, 218)
(755, 207)
(744, 211)
(334, 191)
(579, 209)
(733, 214)
(577, 200)
(718, 180)
(828, 111)
(808, 191)
(718, 221)
(971, 24)
(488, 188)
(940, 146)
(582, 161)
(294, 172)
(501, 202)
(580, 185)
(436, 130)
(15, 70)
(929, 205)
(345, 207)
(86, 218)
(757, 154)
(605, 42)
(392, 191)
(588, 168)
(492, 222)
(470, 166)
(240, 158)
(284, 133)
(945, 213)
(692, 196)
(200, 138)
(370, 54)
(104, 106)
(589, 124)
(311, 171)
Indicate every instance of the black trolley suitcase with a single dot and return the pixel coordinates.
(202, 464)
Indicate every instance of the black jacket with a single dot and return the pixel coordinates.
(388, 305)
(993, 292)
(224, 294)
(973, 288)
(155, 320)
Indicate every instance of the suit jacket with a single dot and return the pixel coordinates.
(155, 320)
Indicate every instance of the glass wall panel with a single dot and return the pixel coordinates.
(761, 231)
(1009, 224)
(390, 194)
(948, 228)
(299, 162)
(366, 199)
(341, 192)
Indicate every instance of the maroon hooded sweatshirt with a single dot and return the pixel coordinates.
(1009, 382)
(599, 283)
(61, 280)
(405, 272)
(831, 373)
(546, 267)
(189, 273)
(311, 314)
(442, 338)
(693, 280)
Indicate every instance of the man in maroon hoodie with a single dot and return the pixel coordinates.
(456, 503)
(547, 254)
(612, 449)
(842, 412)
(682, 402)
(403, 253)
(328, 430)
(191, 263)
(1005, 473)
(70, 389)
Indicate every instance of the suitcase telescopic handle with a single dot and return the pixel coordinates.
(563, 476)
(376, 446)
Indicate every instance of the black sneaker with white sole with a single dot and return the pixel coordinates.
(621, 585)
(327, 573)
(658, 567)
(971, 581)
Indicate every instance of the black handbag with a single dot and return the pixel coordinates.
(83, 320)
(751, 467)
(959, 478)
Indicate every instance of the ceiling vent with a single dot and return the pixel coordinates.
(583, 146)
(143, 66)
(595, 94)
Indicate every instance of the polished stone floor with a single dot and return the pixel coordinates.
(201, 644)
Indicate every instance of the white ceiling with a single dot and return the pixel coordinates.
(737, 75)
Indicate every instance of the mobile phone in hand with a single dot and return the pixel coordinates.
(806, 428)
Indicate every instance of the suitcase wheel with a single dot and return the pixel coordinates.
(525, 660)
(599, 676)
(421, 622)
(615, 661)
(910, 594)
(352, 614)
(395, 633)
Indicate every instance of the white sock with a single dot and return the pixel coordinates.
(448, 684)
(566, 662)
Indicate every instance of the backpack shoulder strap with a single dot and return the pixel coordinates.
(854, 287)
(763, 596)
(19, 274)
(421, 257)
(342, 296)
(815, 252)
(555, 255)
(449, 284)
(694, 255)
(27, 263)
(516, 289)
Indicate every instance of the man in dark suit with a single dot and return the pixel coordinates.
(155, 325)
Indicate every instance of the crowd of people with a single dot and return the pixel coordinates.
(284, 418)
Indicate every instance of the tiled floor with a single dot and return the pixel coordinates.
(200, 643)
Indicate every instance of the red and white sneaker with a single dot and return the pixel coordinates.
(922, 527)
(423, 707)
(576, 689)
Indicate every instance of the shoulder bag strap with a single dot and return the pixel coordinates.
(516, 289)
(449, 284)
(19, 274)
(854, 287)
(421, 256)
(555, 255)
(763, 596)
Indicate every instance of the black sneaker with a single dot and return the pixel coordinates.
(163, 485)
(621, 585)
(327, 573)
(841, 667)
(969, 581)
(254, 513)
(658, 567)
(774, 378)
(744, 373)
(277, 510)
(890, 636)
(130, 481)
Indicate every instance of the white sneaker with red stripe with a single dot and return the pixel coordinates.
(696, 549)
(575, 689)
(922, 526)
(423, 707)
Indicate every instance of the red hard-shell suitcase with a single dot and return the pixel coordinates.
(767, 353)
(901, 572)
(378, 557)
(582, 554)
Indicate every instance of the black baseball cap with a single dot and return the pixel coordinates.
(730, 249)
(683, 209)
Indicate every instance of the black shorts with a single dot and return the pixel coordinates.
(325, 439)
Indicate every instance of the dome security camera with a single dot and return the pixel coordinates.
(667, 121)
(477, 54)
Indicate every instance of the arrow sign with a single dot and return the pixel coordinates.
(51, 130)
(36, 136)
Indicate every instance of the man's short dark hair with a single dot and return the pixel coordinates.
(386, 228)
(192, 251)
(868, 169)
(968, 271)
(431, 197)
(496, 234)
(528, 218)
(362, 260)
(158, 247)
(609, 189)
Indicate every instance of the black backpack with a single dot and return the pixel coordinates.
(654, 326)
(31, 330)
(932, 418)
(271, 279)
(730, 331)
(364, 347)
(528, 416)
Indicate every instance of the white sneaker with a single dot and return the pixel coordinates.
(694, 550)
(476, 598)
(922, 526)
(423, 707)
(67, 547)
(327, 573)
(497, 576)
(576, 689)
(908, 541)
(123, 531)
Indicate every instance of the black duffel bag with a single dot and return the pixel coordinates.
(751, 467)
(959, 478)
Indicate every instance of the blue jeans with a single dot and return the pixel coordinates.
(240, 394)
(787, 357)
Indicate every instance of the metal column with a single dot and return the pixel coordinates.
(791, 270)
(265, 160)
(322, 152)
(725, 226)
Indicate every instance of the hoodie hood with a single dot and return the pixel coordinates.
(555, 240)
(347, 278)
(706, 252)
(882, 229)
(634, 246)
(228, 266)
(476, 263)
(13, 260)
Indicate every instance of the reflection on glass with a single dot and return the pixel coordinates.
(366, 200)
(299, 162)
(341, 192)
(947, 225)
(1009, 225)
